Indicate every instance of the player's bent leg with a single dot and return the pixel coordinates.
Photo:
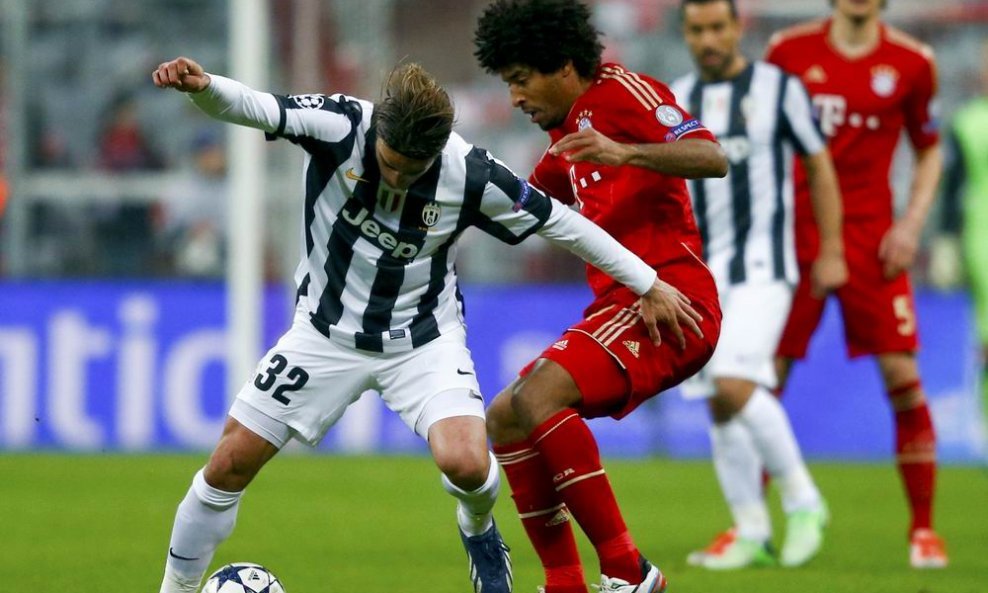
(915, 455)
(471, 474)
(208, 513)
(544, 402)
(542, 512)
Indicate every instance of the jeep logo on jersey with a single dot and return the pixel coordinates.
(309, 101)
(430, 214)
(372, 230)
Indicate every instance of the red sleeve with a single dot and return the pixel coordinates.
(920, 106)
(653, 116)
(775, 54)
(552, 178)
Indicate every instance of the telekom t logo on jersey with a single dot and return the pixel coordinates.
(831, 111)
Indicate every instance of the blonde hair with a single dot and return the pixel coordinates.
(415, 115)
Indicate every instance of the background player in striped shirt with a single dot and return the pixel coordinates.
(761, 116)
(868, 82)
(621, 146)
(389, 188)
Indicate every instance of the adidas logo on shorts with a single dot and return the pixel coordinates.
(561, 344)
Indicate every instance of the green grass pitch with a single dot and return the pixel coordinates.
(100, 524)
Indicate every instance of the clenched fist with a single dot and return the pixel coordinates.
(181, 74)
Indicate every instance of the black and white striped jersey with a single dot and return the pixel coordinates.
(746, 218)
(377, 265)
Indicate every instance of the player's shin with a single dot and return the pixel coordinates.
(205, 518)
(738, 468)
(544, 517)
(474, 507)
(571, 456)
(772, 435)
(915, 446)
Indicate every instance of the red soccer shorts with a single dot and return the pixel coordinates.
(611, 356)
(879, 315)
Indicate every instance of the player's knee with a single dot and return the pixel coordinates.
(466, 468)
(501, 423)
(225, 473)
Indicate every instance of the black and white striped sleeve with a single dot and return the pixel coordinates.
(510, 209)
(796, 117)
(294, 117)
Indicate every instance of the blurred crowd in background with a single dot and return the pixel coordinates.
(102, 175)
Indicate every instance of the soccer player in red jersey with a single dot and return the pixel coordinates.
(868, 81)
(620, 149)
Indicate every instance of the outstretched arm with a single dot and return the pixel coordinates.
(688, 157)
(221, 98)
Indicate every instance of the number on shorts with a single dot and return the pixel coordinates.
(903, 309)
(266, 380)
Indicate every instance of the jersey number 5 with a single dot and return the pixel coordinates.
(266, 380)
(903, 309)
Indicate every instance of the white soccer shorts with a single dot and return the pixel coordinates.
(305, 382)
(754, 316)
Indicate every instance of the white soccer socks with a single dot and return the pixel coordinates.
(205, 518)
(772, 435)
(473, 510)
(739, 471)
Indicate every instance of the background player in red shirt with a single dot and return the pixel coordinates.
(620, 148)
(868, 81)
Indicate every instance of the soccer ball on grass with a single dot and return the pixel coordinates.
(243, 577)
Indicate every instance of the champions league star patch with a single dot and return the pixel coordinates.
(308, 101)
(668, 116)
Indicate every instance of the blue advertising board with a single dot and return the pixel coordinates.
(141, 366)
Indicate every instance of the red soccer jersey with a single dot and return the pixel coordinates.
(647, 212)
(862, 105)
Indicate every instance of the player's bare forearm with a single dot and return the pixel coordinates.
(689, 158)
(900, 244)
(829, 271)
(926, 178)
(826, 198)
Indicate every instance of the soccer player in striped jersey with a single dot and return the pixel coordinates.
(760, 116)
(869, 83)
(389, 188)
(620, 147)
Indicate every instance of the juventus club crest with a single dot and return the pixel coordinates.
(430, 214)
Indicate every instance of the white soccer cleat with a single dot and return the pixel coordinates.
(653, 581)
(927, 550)
(804, 535)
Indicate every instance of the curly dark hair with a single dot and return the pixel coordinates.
(541, 34)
